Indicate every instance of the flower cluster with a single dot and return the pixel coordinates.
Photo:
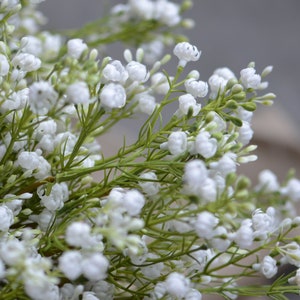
(166, 217)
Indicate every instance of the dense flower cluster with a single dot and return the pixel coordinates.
(163, 218)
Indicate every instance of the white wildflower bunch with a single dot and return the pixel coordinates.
(165, 217)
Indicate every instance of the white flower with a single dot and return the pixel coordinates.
(26, 62)
(78, 93)
(185, 53)
(115, 71)
(12, 252)
(55, 200)
(159, 83)
(220, 240)
(196, 88)
(76, 47)
(193, 294)
(292, 189)
(226, 164)
(95, 267)
(250, 79)
(45, 126)
(150, 187)
(208, 190)
(218, 81)
(177, 285)
(113, 95)
(245, 133)
(267, 181)
(70, 263)
(6, 218)
(34, 162)
(244, 115)
(137, 71)
(152, 51)
(142, 8)
(89, 296)
(268, 267)
(244, 235)
(4, 65)
(205, 145)
(78, 234)
(146, 103)
(263, 223)
(167, 12)
(291, 252)
(177, 142)
(205, 224)
(42, 97)
(32, 45)
(15, 101)
(195, 173)
(133, 201)
(187, 102)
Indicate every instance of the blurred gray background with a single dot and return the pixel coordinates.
(232, 33)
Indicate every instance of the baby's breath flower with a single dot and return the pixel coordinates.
(185, 53)
(250, 79)
(150, 187)
(76, 47)
(70, 263)
(186, 103)
(78, 93)
(26, 62)
(42, 97)
(196, 88)
(115, 71)
(177, 142)
(94, 267)
(205, 144)
(177, 285)
(113, 95)
(6, 218)
(137, 71)
(4, 65)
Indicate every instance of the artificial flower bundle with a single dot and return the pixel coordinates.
(168, 217)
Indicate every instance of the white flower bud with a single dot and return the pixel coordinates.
(185, 53)
(137, 71)
(205, 145)
(78, 93)
(250, 79)
(76, 47)
(113, 95)
(268, 267)
(187, 102)
(196, 88)
(4, 65)
(26, 62)
(177, 142)
(150, 187)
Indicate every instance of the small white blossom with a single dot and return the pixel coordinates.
(143, 8)
(133, 202)
(78, 93)
(186, 103)
(115, 71)
(152, 51)
(146, 103)
(113, 95)
(205, 144)
(42, 97)
(292, 189)
(220, 240)
(267, 181)
(89, 296)
(268, 267)
(32, 45)
(6, 218)
(177, 285)
(177, 143)
(205, 225)
(244, 235)
(78, 234)
(196, 88)
(195, 173)
(76, 47)
(94, 267)
(137, 71)
(291, 253)
(150, 187)
(55, 200)
(4, 65)
(250, 79)
(263, 223)
(26, 62)
(34, 162)
(159, 83)
(245, 133)
(70, 263)
(12, 252)
(185, 53)
(226, 164)
(167, 12)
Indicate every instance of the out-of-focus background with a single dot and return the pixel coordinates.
(232, 33)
